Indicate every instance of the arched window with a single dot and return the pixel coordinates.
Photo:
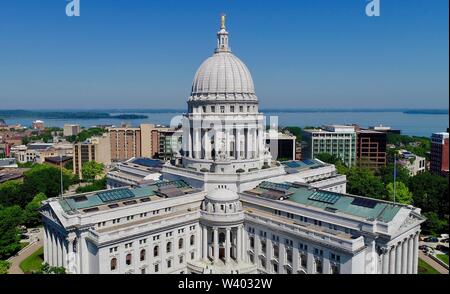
(180, 243)
(113, 264)
(156, 250)
(142, 255)
(169, 247)
(128, 259)
(192, 242)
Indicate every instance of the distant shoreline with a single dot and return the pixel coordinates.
(131, 114)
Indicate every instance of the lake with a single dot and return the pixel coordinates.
(410, 124)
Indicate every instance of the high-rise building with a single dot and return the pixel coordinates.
(94, 149)
(336, 140)
(439, 153)
(226, 207)
(71, 130)
(371, 148)
(281, 146)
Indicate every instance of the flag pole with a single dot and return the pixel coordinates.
(395, 174)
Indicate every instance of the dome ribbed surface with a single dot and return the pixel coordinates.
(223, 76)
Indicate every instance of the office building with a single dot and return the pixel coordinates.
(439, 153)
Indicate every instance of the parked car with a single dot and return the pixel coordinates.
(444, 241)
(431, 240)
(23, 236)
(34, 231)
(424, 248)
(442, 248)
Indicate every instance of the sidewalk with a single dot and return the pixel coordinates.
(433, 263)
(15, 261)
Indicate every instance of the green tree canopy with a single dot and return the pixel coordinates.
(91, 170)
(4, 267)
(10, 218)
(45, 179)
(402, 193)
(430, 193)
(434, 224)
(387, 174)
(11, 193)
(362, 181)
(31, 215)
(296, 131)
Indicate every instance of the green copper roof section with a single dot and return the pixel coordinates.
(383, 211)
(88, 200)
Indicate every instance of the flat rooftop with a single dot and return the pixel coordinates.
(114, 198)
(367, 208)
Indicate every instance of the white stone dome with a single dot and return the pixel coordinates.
(222, 195)
(223, 76)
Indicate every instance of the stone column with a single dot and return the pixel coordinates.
(54, 250)
(295, 259)
(205, 243)
(249, 143)
(410, 255)
(64, 252)
(59, 247)
(405, 256)
(71, 268)
(385, 269)
(398, 258)
(227, 245)
(415, 253)
(239, 243)
(45, 244)
(392, 260)
(238, 143)
(281, 258)
(216, 244)
(50, 247)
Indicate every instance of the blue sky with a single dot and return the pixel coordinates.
(302, 53)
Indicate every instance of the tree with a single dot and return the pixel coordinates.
(46, 269)
(31, 215)
(296, 131)
(362, 181)
(329, 158)
(95, 186)
(45, 179)
(11, 193)
(10, 218)
(91, 170)
(434, 225)
(4, 267)
(430, 193)
(387, 174)
(402, 193)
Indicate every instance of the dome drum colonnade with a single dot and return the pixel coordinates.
(222, 224)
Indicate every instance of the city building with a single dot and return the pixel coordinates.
(38, 125)
(298, 151)
(371, 148)
(94, 149)
(413, 163)
(71, 130)
(385, 129)
(281, 146)
(8, 163)
(134, 172)
(127, 142)
(225, 206)
(33, 152)
(336, 140)
(439, 153)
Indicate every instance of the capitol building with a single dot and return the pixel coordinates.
(225, 206)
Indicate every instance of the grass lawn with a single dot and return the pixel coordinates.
(425, 268)
(24, 244)
(33, 262)
(443, 257)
